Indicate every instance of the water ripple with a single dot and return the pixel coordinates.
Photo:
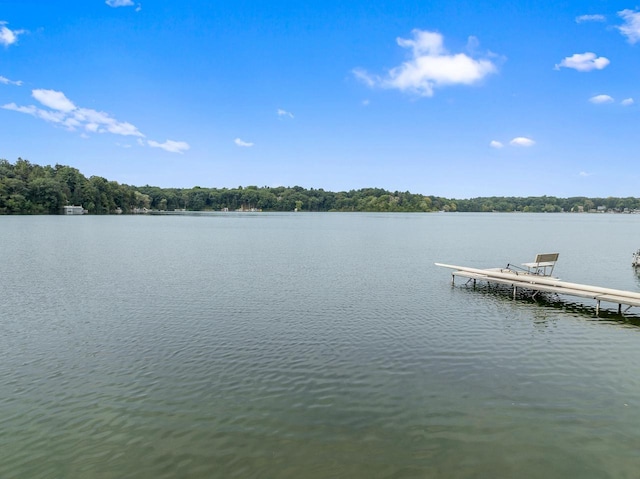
(328, 348)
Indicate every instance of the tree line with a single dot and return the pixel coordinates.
(27, 188)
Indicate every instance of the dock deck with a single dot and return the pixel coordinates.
(539, 282)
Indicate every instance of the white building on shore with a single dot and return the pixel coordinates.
(73, 210)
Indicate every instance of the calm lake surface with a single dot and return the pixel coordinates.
(312, 346)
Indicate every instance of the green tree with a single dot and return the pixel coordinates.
(46, 195)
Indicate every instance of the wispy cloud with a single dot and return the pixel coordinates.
(522, 141)
(472, 44)
(631, 26)
(63, 112)
(53, 99)
(600, 99)
(57, 117)
(242, 143)
(590, 18)
(627, 102)
(583, 62)
(430, 67)
(517, 141)
(282, 112)
(170, 146)
(8, 36)
(119, 3)
(6, 81)
(584, 174)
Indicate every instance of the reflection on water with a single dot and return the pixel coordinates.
(311, 345)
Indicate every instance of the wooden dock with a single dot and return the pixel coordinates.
(538, 282)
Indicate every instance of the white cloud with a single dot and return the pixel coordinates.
(599, 99)
(119, 3)
(31, 110)
(627, 102)
(430, 67)
(496, 144)
(584, 173)
(590, 18)
(121, 128)
(282, 112)
(91, 120)
(522, 141)
(584, 62)
(170, 146)
(64, 112)
(6, 81)
(7, 36)
(364, 77)
(631, 26)
(92, 127)
(100, 122)
(242, 143)
(46, 115)
(53, 99)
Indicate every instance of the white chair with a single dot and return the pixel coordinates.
(543, 264)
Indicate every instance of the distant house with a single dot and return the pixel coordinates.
(73, 210)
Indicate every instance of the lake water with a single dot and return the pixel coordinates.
(312, 346)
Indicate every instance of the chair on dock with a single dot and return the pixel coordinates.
(543, 264)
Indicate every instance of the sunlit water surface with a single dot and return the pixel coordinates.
(312, 346)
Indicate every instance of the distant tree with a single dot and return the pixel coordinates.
(27, 188)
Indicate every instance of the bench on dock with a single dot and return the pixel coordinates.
(541, 263)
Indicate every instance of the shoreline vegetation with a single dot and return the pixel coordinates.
(27, 188)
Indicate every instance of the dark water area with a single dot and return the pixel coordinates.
(312, 345)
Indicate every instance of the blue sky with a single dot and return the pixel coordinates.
(448, 98)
